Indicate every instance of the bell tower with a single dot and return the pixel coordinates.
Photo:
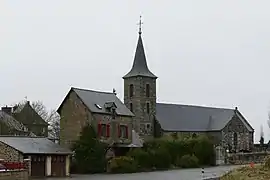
(140, 91)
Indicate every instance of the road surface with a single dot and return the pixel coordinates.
(184, 174)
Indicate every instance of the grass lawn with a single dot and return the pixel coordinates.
(258, 172)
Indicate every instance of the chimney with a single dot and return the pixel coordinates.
(236, 108)
(7, 110)
(114, 91)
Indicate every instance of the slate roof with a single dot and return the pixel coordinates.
(177, 117)
(140, 67)
(93, 99)
(28, 145)
(11, 122)
(26, 110)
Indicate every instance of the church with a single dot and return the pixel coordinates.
(117, 122)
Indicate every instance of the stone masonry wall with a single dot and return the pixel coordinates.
(9, 154)
(143, 122)
(74, 116)
(14, 175)
(244, 138)
(114, 124)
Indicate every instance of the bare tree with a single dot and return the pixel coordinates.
(50, 116)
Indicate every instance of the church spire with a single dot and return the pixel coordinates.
(140, 67)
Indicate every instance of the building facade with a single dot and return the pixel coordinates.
(226, 127)
(140, 92)
(44, 157)
(111, 119)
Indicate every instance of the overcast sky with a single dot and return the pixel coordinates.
(210, 53)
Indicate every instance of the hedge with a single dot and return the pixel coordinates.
(164, 154)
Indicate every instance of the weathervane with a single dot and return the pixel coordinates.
(140, 25)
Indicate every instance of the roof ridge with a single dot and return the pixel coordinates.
(97, 91)
(199, 106)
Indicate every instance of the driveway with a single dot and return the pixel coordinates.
(184, 174)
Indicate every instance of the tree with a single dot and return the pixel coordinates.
(89, 152)
(50, 116)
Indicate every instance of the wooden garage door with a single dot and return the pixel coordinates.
(38, 166)
(58, 166)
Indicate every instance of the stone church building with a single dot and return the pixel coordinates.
(141, 113)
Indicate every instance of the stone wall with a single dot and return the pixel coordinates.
(14, 175)
(120, 120)
(143, 121)
(9, 154)
(236, 136)
(75, 115)
(247, 158)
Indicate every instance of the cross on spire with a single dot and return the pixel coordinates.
(140, 25)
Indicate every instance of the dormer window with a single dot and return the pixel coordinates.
(131, 90)
(111, 107)
(98, 106)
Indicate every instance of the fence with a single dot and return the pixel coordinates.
(14, 165)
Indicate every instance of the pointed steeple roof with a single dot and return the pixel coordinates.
(140, 67)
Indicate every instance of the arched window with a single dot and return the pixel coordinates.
(147, 89)
(131, 90)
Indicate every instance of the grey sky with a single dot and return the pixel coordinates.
(213, 53)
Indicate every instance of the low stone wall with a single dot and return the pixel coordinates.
(14, 175)
(246, 158)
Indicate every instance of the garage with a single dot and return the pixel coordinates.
(58, 166)
(38, 165)
(45, 158)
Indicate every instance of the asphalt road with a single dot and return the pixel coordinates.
(184, 174)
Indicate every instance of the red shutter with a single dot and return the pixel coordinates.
(127, 131)
(108, 130)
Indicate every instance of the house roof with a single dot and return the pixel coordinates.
(177, 117)
(36, 145)
(26, 110)
(11, 122)
(140, 67)
(96, 100)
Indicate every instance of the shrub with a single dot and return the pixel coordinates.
(188, 161)
(143, 158)
(89, 152)
(204, 151)
(122, 164)
(161, 158)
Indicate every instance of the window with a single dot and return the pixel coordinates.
(131, 90)
(98, 106)
(147, 108)
(147, 90)
(235, 140)
(123, 131)
(131, 107)
(103, 130)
